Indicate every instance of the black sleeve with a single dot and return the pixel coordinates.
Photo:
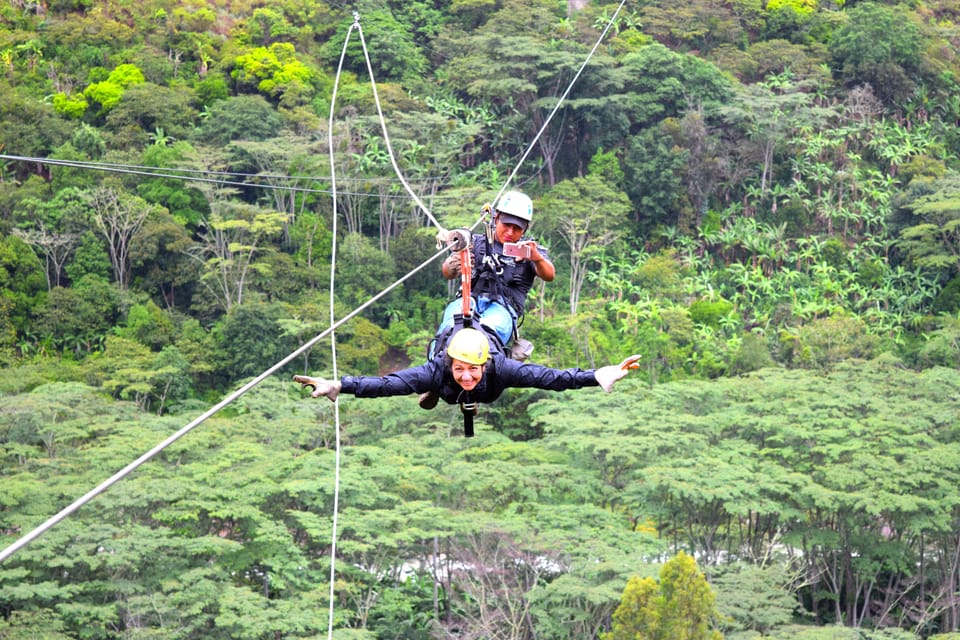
(528, 375)
(426, 377)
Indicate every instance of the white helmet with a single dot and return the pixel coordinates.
(515, 208)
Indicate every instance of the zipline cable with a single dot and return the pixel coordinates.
(43, 528)
(556, 107)
(135, 170)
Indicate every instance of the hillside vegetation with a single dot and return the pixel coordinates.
(760, 198)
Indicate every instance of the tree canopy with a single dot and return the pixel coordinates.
(760, 199)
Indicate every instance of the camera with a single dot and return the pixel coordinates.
(516, 250)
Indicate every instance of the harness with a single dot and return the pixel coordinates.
(486, 279)
(463, 320)
(494, 275)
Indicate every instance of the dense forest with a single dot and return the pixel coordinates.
(760, 197)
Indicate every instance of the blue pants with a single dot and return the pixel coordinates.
(493, 315)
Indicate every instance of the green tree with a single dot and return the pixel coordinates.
(108, 92)
(119, 217)
(830, 463)
(880, 46)
(289, 164)
(679, 607)
(242, 117)
(148, 325)
(77, 320)
(30, 127)
(88, 140)
(768, 113)
(268, 26)
(756, 598)
(171, 380)
(506, 64)
(699, 26)
(275, 71)
(184, 202)
(21, 290)
(653, 169)
(588, 214)
(660, 83)
(232, 239)
(159, 260)
(147, 108)
(72, 106)
(250, 340)
(932, 241)
(362, 270)
(90, 258)
(398, 56)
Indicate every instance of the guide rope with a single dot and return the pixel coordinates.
(333, 339)
(43, 528)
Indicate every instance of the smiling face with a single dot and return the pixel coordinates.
(466, 375)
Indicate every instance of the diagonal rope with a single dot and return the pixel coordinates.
(106, 484)
(556, 107)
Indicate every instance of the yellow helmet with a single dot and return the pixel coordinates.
(469, 345)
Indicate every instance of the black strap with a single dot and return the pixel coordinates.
(468, 409)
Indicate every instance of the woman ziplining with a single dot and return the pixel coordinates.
(468, 365)
(469, 371)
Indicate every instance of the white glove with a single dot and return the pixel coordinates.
(321, 387)
(442, 235)
(606, 376)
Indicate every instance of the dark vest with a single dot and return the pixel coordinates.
(500, 277)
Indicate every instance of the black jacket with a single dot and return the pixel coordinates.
(501, 372)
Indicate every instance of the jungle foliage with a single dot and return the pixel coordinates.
(760, 198)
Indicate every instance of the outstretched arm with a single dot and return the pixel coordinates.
(426, 377)
(606, 376)
(321, 387)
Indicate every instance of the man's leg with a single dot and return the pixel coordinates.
(498, 318)
(452, 309)
(501, 319)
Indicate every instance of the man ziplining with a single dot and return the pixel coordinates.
(505, 265)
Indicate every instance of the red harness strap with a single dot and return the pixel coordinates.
(466, 275)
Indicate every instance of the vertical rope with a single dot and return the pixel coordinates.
(383, 125)
(333, 338)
